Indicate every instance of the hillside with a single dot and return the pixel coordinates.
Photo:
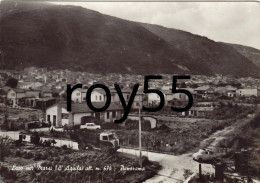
(205, 54)
(249, 52)
(69, 37)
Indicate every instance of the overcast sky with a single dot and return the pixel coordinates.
(232, 22)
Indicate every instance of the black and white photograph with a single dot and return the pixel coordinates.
(129, 91)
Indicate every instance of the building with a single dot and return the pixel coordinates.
(80, 113)
(230, 91)
(28, 85)
(79, 95)
(205, 92)
(248, 92)
(169, 97)
(14, 96)
(126, 92)
(201, 112)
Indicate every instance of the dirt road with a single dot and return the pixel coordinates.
(172, 166)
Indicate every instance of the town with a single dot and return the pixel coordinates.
(34, 101)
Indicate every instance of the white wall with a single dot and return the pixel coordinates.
(76, 96)
(78, 116)
(54, 111)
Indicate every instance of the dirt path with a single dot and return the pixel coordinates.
(213, 140)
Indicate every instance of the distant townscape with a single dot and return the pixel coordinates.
(33, 101)
(46, 47)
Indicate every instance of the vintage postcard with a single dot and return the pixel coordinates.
(129, 92)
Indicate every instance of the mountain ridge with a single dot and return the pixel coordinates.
(76, 38)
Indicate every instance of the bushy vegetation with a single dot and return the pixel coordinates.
(134, 124)
(5, 144)
(230, 110)
(98, 166)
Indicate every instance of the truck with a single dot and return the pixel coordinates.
(90, 139)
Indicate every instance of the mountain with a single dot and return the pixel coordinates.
(70, 37)
(206, 54)
(249, 52)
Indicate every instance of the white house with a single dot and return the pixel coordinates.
(248, 92)
(15, 95)
(80, 113)
(79, 95)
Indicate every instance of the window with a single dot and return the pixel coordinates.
(84, 98)
(137, 103)
(111, 137)
(48, 118)
(12, 94)
(100, 98)
(96, 97)
(105, 138)
(78, 94)
(107, 115)
(114, 114)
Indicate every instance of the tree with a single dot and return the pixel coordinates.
(35, 138)
(5, 144)
(12, 82)
(183, 85)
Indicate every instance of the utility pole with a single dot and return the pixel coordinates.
(140, 135)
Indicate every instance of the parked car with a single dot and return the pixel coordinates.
(90, 126)
(206, 156)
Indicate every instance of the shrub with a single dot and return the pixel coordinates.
(37, 156)
(134, 124)
(110, 126)
(27, 155)
(5, 144)
(18, 153)
(145, 161)
(8, 174)
(64, 147)
(35, 138)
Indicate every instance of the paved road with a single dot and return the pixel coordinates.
(172, 166)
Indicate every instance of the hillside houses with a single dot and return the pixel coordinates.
(205, 92)
(20, 97)
(28, 85)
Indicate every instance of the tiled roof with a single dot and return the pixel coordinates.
(202, 88)
(18, 90)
